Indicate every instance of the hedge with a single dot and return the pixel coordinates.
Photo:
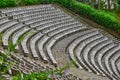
(31, 2)
(7, 3)
(105, 19)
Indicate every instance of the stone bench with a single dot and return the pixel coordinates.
(9, 32)
(81, 46)
(17, 35)
(118, 65)
(7, 25)
(24, 42)
(32, 44)
(56, 26)
(24, 17)
(113, 63)
(11, 13)
(40, 45)
(3, 20)
(50, 23)
(88, 47)
(62, 28)
(107, 57)
(24, 8)
(92, 54)
(49, 52)
(99, 57)
(68, 32)
(30, 13)
(45, 27)
(75, 42)
(40, 18)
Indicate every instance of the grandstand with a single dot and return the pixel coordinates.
(54, 38)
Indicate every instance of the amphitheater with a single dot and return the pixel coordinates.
(57, 38)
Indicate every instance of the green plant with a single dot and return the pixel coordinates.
(34, 76)
(102, 4)
(5, 65)
(44, 75)
(7, 3)
(45, 1)
(31, 2)
(101, 17)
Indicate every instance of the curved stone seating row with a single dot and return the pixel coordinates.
(93, 54)
(96, 53)
(49, 22)
(40, 42)
(72, 46)
(113, 63)
(9, 31)
(94, 50)
(7, 24)
(79, 53)
(93, 60)
(64, 27)
(38, 14)
(17, 34)
(118, 65)
(32, 44)
(23, 43)
(43, 18)
(53, 25)
(99, 55)
(3, 20)
(61, 25)
(11, 13)
(23, 8)
(101, 43)
(108, 59)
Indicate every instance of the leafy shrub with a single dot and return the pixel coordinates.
(100, 17)
(7, 3)
(34, 76)
(45, 1)
(31, 2)
(118, 2)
